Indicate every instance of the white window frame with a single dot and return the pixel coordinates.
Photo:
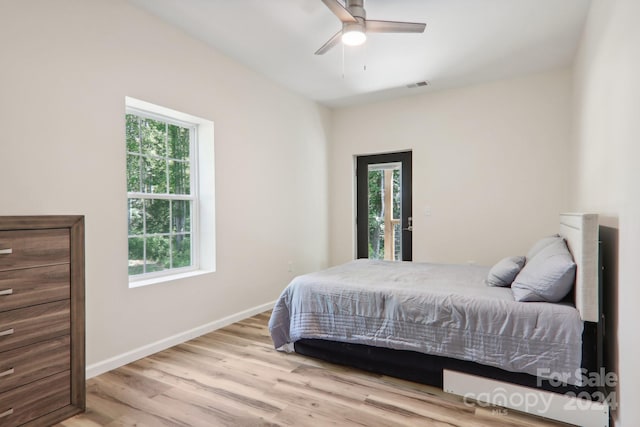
(200, 153)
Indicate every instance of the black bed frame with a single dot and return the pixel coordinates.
(427, 369)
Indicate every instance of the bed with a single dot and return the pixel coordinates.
(416, 320)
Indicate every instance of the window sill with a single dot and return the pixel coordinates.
(168, 278)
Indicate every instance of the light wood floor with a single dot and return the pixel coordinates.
(234, 377)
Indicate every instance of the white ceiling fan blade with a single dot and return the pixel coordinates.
(339, 10)
(330, 43)
(394, 27)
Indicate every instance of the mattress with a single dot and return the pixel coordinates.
(438, 309)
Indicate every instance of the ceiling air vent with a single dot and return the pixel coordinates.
(418, 84)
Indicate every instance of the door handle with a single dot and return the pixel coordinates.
(410, 226)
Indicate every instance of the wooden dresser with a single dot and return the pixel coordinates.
(42, 365)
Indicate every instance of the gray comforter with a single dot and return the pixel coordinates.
(437, 309)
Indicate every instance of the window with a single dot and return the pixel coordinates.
(163, 183)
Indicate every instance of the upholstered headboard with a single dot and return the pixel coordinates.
(581, 232)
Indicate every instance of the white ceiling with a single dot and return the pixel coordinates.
(466, 41)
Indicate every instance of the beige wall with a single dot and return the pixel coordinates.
(490, 163)
(607, 176)
(66, 68)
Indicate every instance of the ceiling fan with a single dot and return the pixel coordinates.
(355, 25)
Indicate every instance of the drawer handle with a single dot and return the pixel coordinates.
(6, 292)
(7, 332)
(6, 251)
(6, 413)
(7, 372)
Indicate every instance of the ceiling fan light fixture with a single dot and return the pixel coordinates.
(353, 34)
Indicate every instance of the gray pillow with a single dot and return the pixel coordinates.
(548, 276)
(541, 244)
(505, 270)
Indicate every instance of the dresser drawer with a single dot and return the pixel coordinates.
(28, 364)
(29, 325)
(36, 399)
(22, 288)
(32, 248)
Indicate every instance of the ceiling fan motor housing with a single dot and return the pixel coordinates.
(356, 7)
(354, 26)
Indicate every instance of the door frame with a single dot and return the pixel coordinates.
(362, 204)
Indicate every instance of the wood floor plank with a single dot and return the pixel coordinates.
(347, 410)
(204, 411)
(234, 377)
(221, 388)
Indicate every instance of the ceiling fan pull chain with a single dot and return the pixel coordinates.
(343, 62)
(366, 57)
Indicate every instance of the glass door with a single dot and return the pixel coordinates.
(384, 222)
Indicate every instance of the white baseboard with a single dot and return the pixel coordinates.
(98, 368)
(565, 408)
